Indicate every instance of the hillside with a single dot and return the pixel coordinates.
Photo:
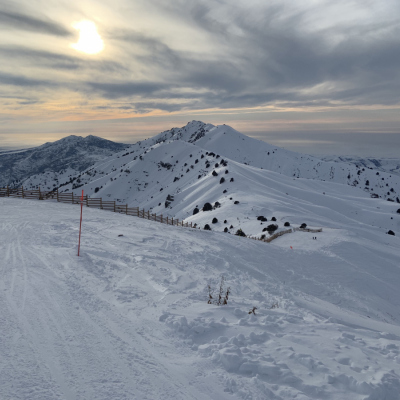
(72, 154)
(180, 170)
(390, 165)
(129, 319)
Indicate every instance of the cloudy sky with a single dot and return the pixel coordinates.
(318, 76)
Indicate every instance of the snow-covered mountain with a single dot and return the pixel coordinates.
(72, 154)
(178, 171)
(309, 315)
(389, 165)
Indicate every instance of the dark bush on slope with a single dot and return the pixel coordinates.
(262, 218)
(239, 232)
(207, 207)
(303, 226)
(195, 211)
(215, 220)
(286, 224)
(391, 233)
(207, 227)
(271, 228)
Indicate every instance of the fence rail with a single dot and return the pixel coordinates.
(38, 194)
(108, 205)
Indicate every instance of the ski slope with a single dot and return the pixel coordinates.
(129, 319)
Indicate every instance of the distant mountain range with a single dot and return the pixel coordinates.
(390, 165)
(73, 153)
(177, 172)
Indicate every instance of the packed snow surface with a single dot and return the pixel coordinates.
(129, 319)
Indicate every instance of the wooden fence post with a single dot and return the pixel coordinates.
(40, 196)
(172, 220)
(8, 192)
(22, 191)
(72, 198)
(126, 208)
(167, 220)
(87, 201)
(101, 203)
(57, 195)
(114, 206)
(161, 219)
(148, 214)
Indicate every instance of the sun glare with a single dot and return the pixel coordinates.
(89, 42)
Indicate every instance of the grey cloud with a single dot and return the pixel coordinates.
(263, 55)
(159, 52)
(22, 81)
(28, 23)
(276, 55)
(28, 102)
(48, 59)
(117, 90)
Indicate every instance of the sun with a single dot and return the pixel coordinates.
(89, 42)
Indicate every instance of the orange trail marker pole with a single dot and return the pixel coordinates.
(80, 225)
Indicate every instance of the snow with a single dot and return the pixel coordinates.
(129, 319)
(53, 161)
(137, 177)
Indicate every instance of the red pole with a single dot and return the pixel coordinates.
(80, 225)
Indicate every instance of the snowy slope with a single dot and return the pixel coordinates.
(390, 165)
(222, 140)
(176, 172)
(72, 153)
(129, 319)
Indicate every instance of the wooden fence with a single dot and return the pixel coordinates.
(39, 194)
(119, 208)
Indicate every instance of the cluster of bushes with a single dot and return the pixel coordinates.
(168, 200)
(270, 228)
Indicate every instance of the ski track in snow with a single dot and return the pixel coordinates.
(61, 339)
(129, 320)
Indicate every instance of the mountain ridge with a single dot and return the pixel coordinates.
(72, 152)
(182, 169)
